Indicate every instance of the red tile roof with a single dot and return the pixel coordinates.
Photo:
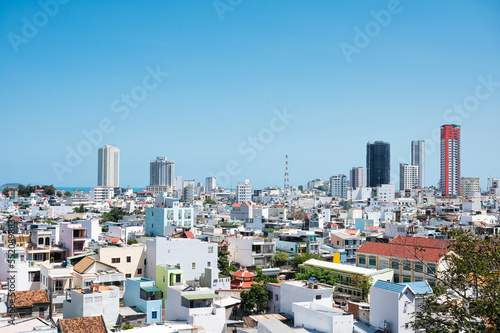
(243, 274)
(189, 234)
(30, 298)
(418, 248)
(83, 325)
(238, 284)
(237, 204)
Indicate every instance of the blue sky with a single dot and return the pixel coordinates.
(227, 78)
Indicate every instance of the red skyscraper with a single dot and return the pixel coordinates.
(450, 160)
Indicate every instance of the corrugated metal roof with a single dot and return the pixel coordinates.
(420, 287)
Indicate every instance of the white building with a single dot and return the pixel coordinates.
(244, 191)
(14, 266)
(161, 173)
(251, 251)
(167, 212)
(321, 318)
(408, 176)
(358, 177)
(108, 166)
(188, 191)
(393, 304)
(359, 194)
(469, 185)
(385, 193)
(338, 186)
(418, 159)
(102, 193)
(210, 185)
(302, 291)
(191, 254)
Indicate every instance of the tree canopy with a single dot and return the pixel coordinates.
(254, 301)
(300, 259)
(466, 296)
(323, 275)
(280, 258)
(224, 265)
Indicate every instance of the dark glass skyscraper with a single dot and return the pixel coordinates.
(378, 163)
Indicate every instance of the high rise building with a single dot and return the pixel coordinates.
(244, 191)
(378, 163)
(469, 185)
(187, 191)
(210, 185)
(161, 175)
(450, 160)
(358, 177)
(338, 186)
(108, 166)
(408, 176)
(418, 158)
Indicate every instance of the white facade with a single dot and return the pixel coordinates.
(408, 176)
(360, 193)
(418, 159)
(13, 263)
(321, 318)
(102, 193)
(385, 192)
(244, 191)
(251, 251)
(58, 211)
(93, 228)
(299, 291)
(191, 254)
(210, 185)
(108, 166)
(338, 186)
(358, 177)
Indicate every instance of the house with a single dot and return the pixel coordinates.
(127, 259)
(296, 244)
(26, 325)
(346, 275)
(412, 259)
(351, 243)
(168, 275)
(242, 211)
(317, 317)
(167, 212)
(393, 304)
(92, 324)
(191, 255)
(91, 271)
(95, 300)
(56, 279)
(73, 237)
(31, 303)
(144, 295)
(196, 306)
(242, 279)
(251, 251)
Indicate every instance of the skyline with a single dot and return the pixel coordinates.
(205, 87)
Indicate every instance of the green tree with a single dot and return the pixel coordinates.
(261, 277)
(80, 209)
(362, 283)
(254, 301)
(224, 265)
(105, 228)
(300, 259)
(280, 258)
(208, 201)
(323, 275)
(114, 215)
(67, 194)
(132, 241)
(466, 296)
(127, 327)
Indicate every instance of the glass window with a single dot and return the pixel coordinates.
(209, 264)
(318, 296)
(394, 264)
(431, 269)
(396, 278)
(129, 259)
(193, 265)
(276, 297)
(210, 249)
(362, 260)
(154, 314)
(406, 279)
(372, 262)
(419, 268)
(139, 270)
(407, 267)
(115, 260)
(178, 278)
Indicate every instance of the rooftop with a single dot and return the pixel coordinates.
(342, 267)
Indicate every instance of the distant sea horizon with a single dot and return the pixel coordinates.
(86, 189)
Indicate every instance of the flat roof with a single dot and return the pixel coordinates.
(200, 296)
(341, 267)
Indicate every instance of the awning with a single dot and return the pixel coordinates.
(200, 296)
(82, 255)
(150, 289)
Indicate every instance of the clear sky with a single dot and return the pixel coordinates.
(345, 73)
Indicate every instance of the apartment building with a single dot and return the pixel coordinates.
(129, 260)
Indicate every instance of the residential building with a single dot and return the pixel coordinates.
(244, 191)
(392, 305)
(94, 324)
(412, 259)
(162, 174)
(242, 211)
(378, 163)
(94, 300)
(338, 186)
(73, 237)
(191, 255)
(450, 160)
(167, 212)
(26, 325)
(321, 318)
(303, 291)
(418, 159)
(128, 260)
(351, 243)
(90, 271)
(469, 185)
(297, 244)
(196, 306)
(408, 176)
(251, 251)
(56, 279)
(143, 294)
(168, 275)
(108, 166)
(102, 193)
(358, 177)
(30, 303)
(210, 185)
(346, 275)
(385, 193)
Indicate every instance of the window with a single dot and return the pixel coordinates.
(394, 264)
(209, 264)
(210, 249)
(419, 268)
(139, 270)
(40, 241)
(163, 278)
(129, 259)
(406, 279)
(154, 314)
(431, 269)
(318, 296)
(178, 278)
(276, 297)
(128, 276)
(361, 260)
(372, 261)
(407, 266)
(193, 265)
(115, 260)
(396, 278)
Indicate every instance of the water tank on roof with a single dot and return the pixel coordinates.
(64, 263)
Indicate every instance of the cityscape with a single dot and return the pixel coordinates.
(261, 210)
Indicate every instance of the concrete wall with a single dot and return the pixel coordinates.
(291, 293)
(136, 254)
(313, 316)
